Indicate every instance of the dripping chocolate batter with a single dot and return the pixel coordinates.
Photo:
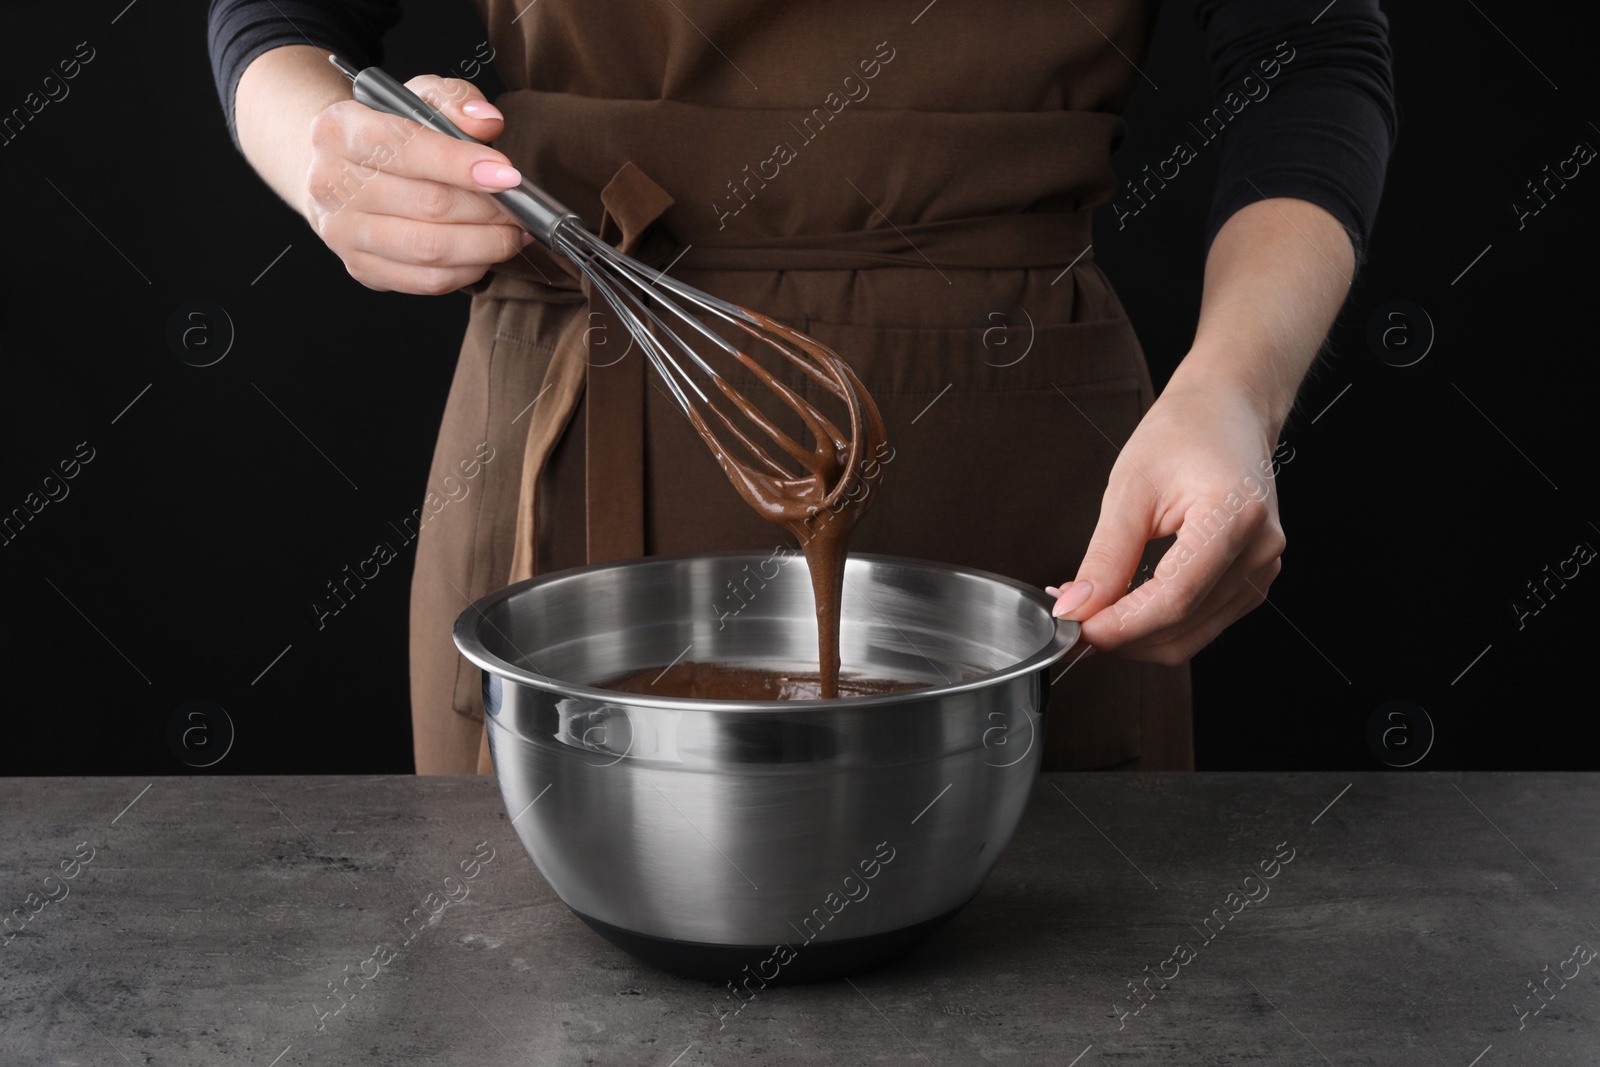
(821, 507)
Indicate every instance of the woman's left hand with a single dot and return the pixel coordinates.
(1200, 464)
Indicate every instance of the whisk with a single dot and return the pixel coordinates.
(652, 308)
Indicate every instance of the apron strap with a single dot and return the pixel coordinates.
(613, 429)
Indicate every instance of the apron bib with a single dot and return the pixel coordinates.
(997, 352)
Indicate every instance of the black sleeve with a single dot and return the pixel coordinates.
(240, 30)
(1317, 120)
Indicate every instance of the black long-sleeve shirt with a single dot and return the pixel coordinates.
(1327, 141)
(1328, 138)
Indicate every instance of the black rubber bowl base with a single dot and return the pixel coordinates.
(816, 961)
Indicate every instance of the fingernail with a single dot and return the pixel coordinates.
(492, 175)
(481, 109)
(527, 239)
(1051, 590)
(1071, 597)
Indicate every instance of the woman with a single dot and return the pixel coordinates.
(895, 182)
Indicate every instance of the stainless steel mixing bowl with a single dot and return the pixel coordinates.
(765, 841)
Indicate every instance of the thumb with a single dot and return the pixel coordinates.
(462, 103)
(1118, 542)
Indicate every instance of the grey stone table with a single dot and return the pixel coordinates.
(1374, 919)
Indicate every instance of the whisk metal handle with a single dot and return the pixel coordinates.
(539, 212)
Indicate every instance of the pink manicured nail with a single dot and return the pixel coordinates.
(1072, 596)
(494, 175)
(1051, 590)
(481, 109)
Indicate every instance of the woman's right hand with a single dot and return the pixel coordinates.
(407, 208)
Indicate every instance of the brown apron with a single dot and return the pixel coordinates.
(763, 150)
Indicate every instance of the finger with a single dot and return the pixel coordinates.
(432, 244)
(385, 275)
(1260, 557)
(462, 103)
(1126, 524)
(413, 198)
(368, 142)
(1209, 540)
(1183, 647)
(1246, 580)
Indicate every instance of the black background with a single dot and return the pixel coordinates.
(187, 553)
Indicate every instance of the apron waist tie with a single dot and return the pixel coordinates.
(614, 423)
(614, 473)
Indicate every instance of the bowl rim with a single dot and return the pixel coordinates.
(465, 633)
